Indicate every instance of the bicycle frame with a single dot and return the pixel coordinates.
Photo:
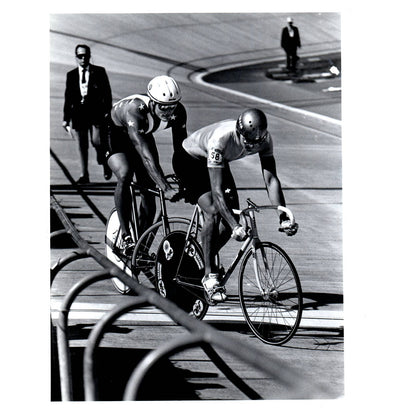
(134, 213)
(253, 239)
(161, 214)
(161, 223)
(270, 298)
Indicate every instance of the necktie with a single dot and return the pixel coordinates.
(83, 75)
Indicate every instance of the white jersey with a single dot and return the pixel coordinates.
(219, 143)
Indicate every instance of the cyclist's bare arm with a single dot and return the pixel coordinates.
(275, 193)
(145, 146)
(216, 178)
(179, 131)
(272, 182)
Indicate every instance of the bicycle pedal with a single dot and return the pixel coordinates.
(213, 302)
(208, 300)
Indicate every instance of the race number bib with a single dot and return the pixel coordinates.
(215, 158)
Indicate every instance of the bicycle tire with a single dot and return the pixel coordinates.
(112, 242)
(144, 254)
(275, 315)
(173, 260)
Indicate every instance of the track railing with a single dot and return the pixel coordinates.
(200, 333)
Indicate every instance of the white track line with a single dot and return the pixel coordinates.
(224, 313)
(198, 79)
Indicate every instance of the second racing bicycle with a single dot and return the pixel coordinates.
(269, 287)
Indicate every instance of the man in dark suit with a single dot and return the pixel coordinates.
(290, 41)
(87, 102)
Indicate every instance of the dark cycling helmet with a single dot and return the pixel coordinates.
(164, 90)
(252, 125)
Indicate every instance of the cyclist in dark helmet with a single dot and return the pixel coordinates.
(252, 127)
(203, 167)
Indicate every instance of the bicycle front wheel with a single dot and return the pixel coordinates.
(270, 293)
(145, 251)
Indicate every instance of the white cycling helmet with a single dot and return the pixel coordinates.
(164, 90)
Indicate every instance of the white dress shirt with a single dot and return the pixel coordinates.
(83, 86)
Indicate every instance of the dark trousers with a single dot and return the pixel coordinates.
(83, 135)
(291, 59)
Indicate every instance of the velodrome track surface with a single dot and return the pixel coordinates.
(134, 48)
(309, 161)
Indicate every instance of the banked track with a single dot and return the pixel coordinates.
(200, 334)
(194, 63)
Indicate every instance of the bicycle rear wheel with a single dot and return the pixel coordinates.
(145, 251)
(179, 272)
(113, 251)
(272, 303)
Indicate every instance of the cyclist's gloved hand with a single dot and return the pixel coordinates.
(239, 233)
(287, 227)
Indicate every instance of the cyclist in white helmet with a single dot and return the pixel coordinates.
(203, 168)
(132, 147)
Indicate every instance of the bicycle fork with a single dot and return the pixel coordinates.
(255, 244)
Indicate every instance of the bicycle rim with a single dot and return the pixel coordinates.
(273, 312)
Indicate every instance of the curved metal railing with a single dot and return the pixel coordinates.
(201, 334)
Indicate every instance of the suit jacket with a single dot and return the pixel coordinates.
(288, 43)
(97, 102)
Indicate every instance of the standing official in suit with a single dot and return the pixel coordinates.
(87, 102)
(290, 42)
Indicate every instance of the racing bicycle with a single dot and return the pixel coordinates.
(269, 288)
(143, 257)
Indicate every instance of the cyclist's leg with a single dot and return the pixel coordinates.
(119, 147)
(147, 206)
(231, 197)
(147, 212)
(194, 175)
(209, 231)
(209, 236)
(119, 164)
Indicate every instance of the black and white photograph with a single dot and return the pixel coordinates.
(212, 211)
(196, 206)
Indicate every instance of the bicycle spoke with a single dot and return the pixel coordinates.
(271, 301)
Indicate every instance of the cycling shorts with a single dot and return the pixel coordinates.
(118, 141)
(194, 177)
